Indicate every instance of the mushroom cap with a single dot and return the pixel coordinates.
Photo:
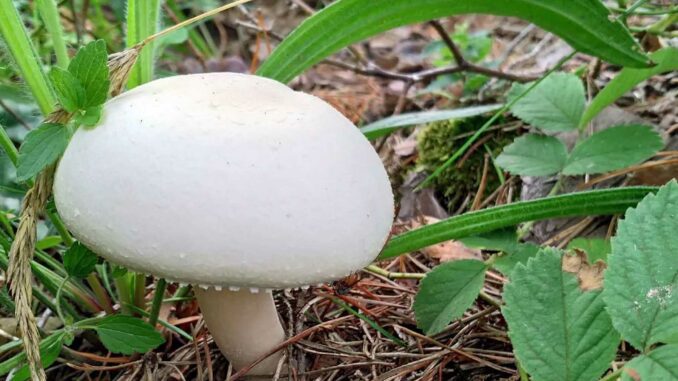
(226, 179)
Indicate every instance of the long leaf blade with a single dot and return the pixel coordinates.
(584, 24)
(387, 125)
(598, 202)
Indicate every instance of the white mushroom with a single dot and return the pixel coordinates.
(227, 180)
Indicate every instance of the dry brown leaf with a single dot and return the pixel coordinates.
(449, 250)
(590, 276)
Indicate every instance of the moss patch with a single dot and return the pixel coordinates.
(438, 141)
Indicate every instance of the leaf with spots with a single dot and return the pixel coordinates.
(557, 321)
(641, 283)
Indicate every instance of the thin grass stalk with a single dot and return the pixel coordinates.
(19, 44)
(50, 16)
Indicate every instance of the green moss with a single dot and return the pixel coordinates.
(438, 142)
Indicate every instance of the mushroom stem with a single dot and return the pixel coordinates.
(244, 325)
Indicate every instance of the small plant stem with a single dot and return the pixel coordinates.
(391, 275)
(489, 123)
(50, 16)
(60, 227)
(489, 299)
(164, 323)
(182, 291)
(59, 295)
(124, 292)
(139, 290)
(8, 146)
(100, 293)
(624, 15)
(612, 376)
(522, 372)
(160, 286)
(661, 25)
(19, 44)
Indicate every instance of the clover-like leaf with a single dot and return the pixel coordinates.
(556, 104)
(533, 155)
(613, 148)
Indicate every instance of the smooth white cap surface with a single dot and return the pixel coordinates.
(226, 179)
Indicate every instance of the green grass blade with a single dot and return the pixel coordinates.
(142, 21)
(591, 203)
(584, 24)
(667, 60)
(17, 40)
(50, 16)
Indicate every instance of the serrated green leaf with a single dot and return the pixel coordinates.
(584, 24)
(42, 147)
(613, 148)
(533, 155)
(89, 117)
(90, 67)
(127, 334)
(558, 331)
(660, 364)
(50, 348)
(390, 124)
(69, 91)
(508, 260)
(595, 248)
(641, 282)
(556, 104)
(446, 292)
(79, 261)
(666, 59)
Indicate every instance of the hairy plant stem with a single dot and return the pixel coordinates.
(50, 16)
(8, 146)
(18, 41)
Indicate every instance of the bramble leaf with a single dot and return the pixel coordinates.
(533, 155)
(560, 330)
(641, 282)
(613, 148)
(556, 104)
(595, 248)
(660, 364)
(446, 292)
